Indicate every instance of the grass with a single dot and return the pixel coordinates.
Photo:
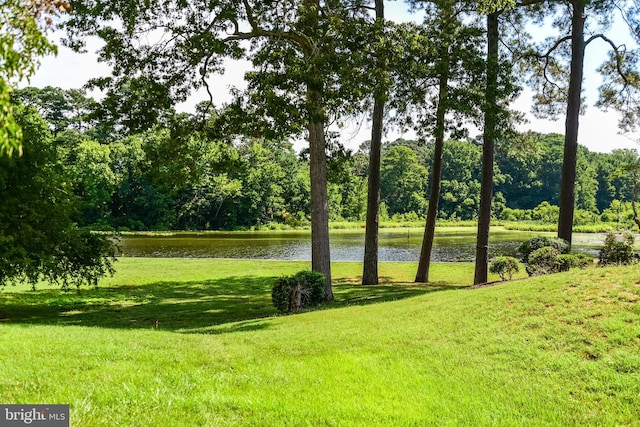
(555, 350)
(536, 226)
(600, 227)
(199, 294)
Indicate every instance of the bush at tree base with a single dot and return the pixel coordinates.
(617, 249)
(303, 289)
(504, 266)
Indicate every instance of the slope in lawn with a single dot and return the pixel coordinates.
(556, 350)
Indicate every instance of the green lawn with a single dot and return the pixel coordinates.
(557, 350)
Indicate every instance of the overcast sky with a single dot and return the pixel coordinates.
(598, 129)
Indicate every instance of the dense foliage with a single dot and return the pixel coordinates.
(527, 248)
(22, 43)
(546, 260)
(303, 289)
(39, 238)
(543, 255)
(505, 267)
(617, 249)
(199, 171)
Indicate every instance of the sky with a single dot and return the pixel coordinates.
(598, 129)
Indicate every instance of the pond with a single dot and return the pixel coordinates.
(451, 244)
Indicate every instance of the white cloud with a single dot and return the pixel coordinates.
(69, 70)
(598, 130)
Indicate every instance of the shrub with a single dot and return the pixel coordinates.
(314, 281)
(617, 249)
(564, 262)
(546, 212)
(509, 214)
(544, 261)
(384, 212)
(579, 260)
(527, 248)
(584, 217)
(504, 266)
(548, 260)
(297, 219)
(280, 293)
(292, 293)
(406, 217)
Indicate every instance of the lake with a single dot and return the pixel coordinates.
(452, 244)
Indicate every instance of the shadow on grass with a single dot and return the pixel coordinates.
(231, 304)
(349, 293)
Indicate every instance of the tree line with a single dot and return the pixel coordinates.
(191, 172)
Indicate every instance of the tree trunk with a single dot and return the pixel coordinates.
(320, 249)
(370, 268)
(320, 253)
(574, 101)
(436, 175)
(490, 122)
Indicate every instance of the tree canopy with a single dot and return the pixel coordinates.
(22, 43)
(39, 238)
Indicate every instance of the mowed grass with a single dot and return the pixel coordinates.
(556, 350)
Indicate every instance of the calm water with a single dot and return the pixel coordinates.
(397, 245)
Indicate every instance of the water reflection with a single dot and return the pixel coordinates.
(345, 246)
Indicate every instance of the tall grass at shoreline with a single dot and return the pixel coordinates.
(600, 227)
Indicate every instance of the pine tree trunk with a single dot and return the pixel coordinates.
(574, 101)
(320, 252)
(436, 177)
(370, 268)
(490, 122)
(320, 248)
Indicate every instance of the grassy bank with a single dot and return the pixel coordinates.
(556, 350)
